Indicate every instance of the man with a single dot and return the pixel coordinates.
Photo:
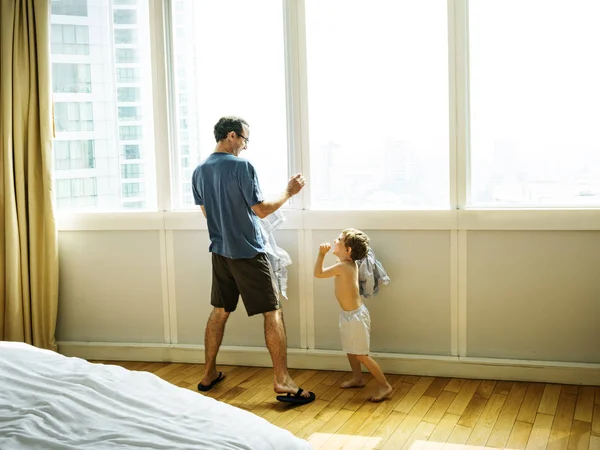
(227, 190)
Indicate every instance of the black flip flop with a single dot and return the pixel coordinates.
(297, 398)
(204, 388)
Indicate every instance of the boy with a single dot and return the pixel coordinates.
(355, 323)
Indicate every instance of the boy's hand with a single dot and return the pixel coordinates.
(324, 248)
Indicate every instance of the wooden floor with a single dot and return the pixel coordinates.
(422, 413)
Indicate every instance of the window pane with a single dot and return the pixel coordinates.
(534, 101)
(69, 7)
(128, 36)
(99, 94)
(253, 89)
(378, 104)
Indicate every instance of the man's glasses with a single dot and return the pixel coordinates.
(243, 137)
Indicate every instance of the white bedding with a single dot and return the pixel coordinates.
(49, 401)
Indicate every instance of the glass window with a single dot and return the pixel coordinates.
(132, 171)
(125, 36)
(127, 55)
(378, 104)
(255, 40)
(69, 8)
(125, 16)
(128, 94)
(74, 155)
(70, 39)
(534, 103)
(97, 126)
(131, 151)
(69, 77)
(127, 75)
(129, 113)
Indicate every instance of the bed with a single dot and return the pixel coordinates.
(49, 401)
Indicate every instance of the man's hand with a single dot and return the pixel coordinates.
(324, 248)
(295, 184)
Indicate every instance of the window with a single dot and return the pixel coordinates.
(70, 40)
(125, 16)
(534, 103)
(126, 55)
(129, 113)
(73, 116)
(71, 78)
(128, 94)
(127, 75)
(130, 133)
(69, 8)
(134, 205)
(98, 128)
(125, 36)
(132, 171)
(131, 151)
(124, 2)
(133, 189)
(378, 104)
(76, 193)
(74, 155)
(255, 38)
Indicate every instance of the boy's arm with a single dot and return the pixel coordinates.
(319, 271)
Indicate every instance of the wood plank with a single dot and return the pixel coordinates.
(519, 435)
(437, 387)
(439, 408)
(503, 427)
(471, 414)
(550, 398)
(531, 403)
(411, 399)
(454, 385)
(444, 428)
(409, 424)
(585, 404)
(594, 443)
(561, 427)
(596, 421)
(485, 424)
(330, 427)
(419, 436)
(463, 398)
(540, 432)
(503, 387)
(486, 388)
(579, 438)
(458, 438)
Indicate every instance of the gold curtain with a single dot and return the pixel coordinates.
(28, 237)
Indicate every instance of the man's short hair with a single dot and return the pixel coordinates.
(358, 243)
(227, 124)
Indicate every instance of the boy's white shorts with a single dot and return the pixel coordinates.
(355, 331)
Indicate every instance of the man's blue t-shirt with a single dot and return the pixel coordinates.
(227, 187)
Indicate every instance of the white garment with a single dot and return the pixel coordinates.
(370, 274)
(278, 258)
(355, 331)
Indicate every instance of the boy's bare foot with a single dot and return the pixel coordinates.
(382, 393)
(353, 383)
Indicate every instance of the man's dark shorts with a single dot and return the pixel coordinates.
(250, 277)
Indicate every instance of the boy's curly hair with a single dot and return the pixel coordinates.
(358, 243)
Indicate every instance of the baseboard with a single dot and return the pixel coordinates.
(423, 365)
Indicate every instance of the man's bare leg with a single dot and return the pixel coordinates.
(276, 340)
(213, 336)
(358, 379)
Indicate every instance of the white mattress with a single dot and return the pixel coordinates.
(49, 401)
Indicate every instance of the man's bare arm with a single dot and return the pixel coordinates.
(203, 210)
(295, 185)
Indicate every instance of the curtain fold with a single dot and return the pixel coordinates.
(28, 235)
